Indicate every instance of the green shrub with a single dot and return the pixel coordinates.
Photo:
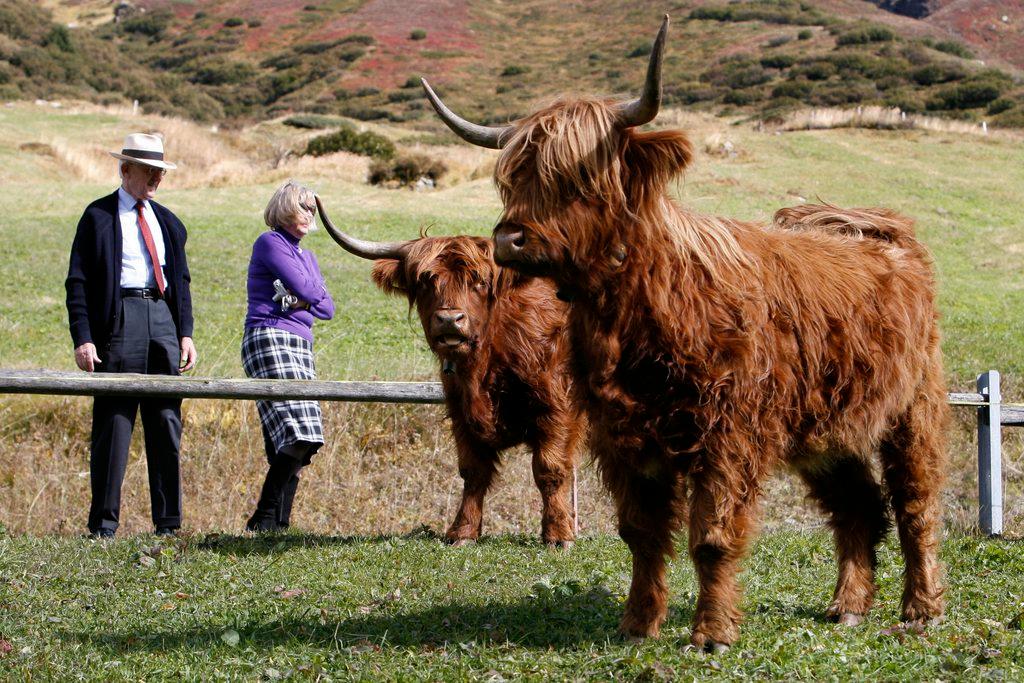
(412, 82)
(152, 24)
(908, 101)
(1013, 118)
(222, 72)
(364, 113)
(406, 169)
(403, 96)
(747, 76)
(741, 97)
(816, 71)
(641, 50)
(768, 11)
(999, 106)
(281, 62)
(938, 73)
(418, 34)
(254, 23)
(779, 41)
(834, 94)
(514, 70)
(805, 34)
(316, 48)
(310, 121)
(60, 38)
(690, 93)
(346, 139)
(366, 92)
(865, 35)
(351, 54)
(359, 39)
(952, 47)
(967, 95)
(231, 22)
(781, 61)
(796, 90)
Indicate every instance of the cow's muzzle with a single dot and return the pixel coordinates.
(449, 328)
(509, 241)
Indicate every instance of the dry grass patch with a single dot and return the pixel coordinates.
(385, 469)
(884, 117)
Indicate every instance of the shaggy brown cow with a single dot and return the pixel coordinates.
(502, 340)
(711, 350)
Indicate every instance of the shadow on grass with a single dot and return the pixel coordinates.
(586, 618)
(270, 544)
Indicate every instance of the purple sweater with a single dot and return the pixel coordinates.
(276, 255)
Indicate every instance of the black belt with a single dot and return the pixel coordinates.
(141, 292)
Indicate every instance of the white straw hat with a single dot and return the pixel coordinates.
(141, 148)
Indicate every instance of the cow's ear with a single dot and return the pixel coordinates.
(389, 275)
(655, 157)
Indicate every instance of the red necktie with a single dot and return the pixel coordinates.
(147, 237)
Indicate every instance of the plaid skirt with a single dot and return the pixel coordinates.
(270, 353)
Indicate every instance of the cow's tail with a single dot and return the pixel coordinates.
(879, 224)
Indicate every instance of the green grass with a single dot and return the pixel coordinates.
(411, 608)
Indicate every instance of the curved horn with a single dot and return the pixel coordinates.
(645, 108)
(492, 137)
(362, 248)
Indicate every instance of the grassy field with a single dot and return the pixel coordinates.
(379, 604)
(409, 608)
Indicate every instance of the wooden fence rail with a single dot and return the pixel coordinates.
(992, 415)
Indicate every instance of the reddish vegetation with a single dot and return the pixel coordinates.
(979, 23)
(391, 22)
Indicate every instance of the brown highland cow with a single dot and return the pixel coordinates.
(709, 351)
(501, 338)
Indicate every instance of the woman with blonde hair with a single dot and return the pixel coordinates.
(286, 292)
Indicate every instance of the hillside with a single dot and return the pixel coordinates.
(225, 61)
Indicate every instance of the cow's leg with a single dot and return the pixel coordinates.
(914, 458)
(553, 475)
(723, 508)
(650, 511)
(553, 461)
(477, 467)
(847, 491)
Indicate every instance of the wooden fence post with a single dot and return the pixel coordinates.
(990, 459)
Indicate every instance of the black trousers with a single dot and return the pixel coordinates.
(146, 341)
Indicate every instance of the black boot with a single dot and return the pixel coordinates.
(284, 513)
(271, 497)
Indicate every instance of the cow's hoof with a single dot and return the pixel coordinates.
(459, 542)
(560, 545)
(849, 619)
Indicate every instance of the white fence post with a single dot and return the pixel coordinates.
(990, 459)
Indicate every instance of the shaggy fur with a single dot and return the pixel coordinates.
(507, 381)
(709, 351)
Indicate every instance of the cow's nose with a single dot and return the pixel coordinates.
(508, 243)
(450, 318)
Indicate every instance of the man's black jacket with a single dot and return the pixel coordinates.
(94, 273)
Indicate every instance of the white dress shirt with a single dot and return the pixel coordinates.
(136, 266)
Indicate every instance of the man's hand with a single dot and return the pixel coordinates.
(86, 357)
(188, 354)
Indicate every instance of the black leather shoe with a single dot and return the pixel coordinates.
(262, 522)
(165, 531)
(102, 533)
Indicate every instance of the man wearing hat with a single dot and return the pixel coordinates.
(130, 310)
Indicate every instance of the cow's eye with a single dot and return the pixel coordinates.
(480, 285)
